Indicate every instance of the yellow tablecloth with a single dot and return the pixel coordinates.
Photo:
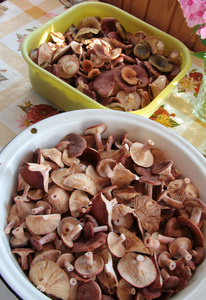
(17, 19)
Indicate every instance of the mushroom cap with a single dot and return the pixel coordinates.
(44, 54)
(58, 198)
(42, 224)
(125, 291)
(63, 258)
(81, 181)
(68, 66)
(95, 242)
(54, 155)
(160, 62)
(130, 101)
(191, 202)
(105, 166)
(87, 270)
(48, 277)
(77, 144)
(58, 177)
(88, 290)
(79, 203)
(138, 270)
(122, 176)
(142, 50)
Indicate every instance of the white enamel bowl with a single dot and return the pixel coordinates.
(50, 131)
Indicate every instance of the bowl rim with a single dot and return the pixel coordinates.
(11, 274)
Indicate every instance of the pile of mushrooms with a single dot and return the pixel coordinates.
(105, 217)
(114, 67)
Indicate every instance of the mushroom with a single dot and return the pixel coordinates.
(89, 265)
(12, 222)
(89, 230)
(41, 207)
(151, 182)
(19, 238)
(142, 50)
(148, 211)
(88, 290)
(198, 255)
(66, 261)
(138, 270)
(69, 230)
(37, 244)
(164, 170)
(42, 224)
(54, 155)
(105, 167)
(158, 85)
(94, 243)
(165, 199)
(50, 254)
(68, 66)
(180, 247)
(115, 244)
(164, 260)
(36, 175)
(169, 282)
(58, 199)
(180, 189)
(195, 207)
(97, 131)
(100, 181)
(49, 278)
(174, 57)
(79, 203)
(44, 55)
(22, 210)
(141, 153)
(77, 145)
(130, 101)
(125, 291)
(108, 277)
(122, 176)
(24, 197)
(160, 62)
(129, 75)
(24, 254)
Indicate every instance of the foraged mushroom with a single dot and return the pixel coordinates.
(136, 269)
(180, 247)
(49, 278)
(24, 256)
(97, 131)
(141, 154)
(88, 290)
(42, 224)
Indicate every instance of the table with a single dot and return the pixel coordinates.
(17, 19)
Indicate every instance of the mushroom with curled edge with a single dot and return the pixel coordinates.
(180, 189)
(105, 167)
(141, 153)
(115, 244)
(195, 232)
(169, 282)
(122, 176)
(49, 278)
(173, 229)
(53, 155)
(159, 156)
(42, 224)
(151, 182)
(97, 130)
(136, 269)
(101, 209)
(158, 85)
(98, 240)
(164, 260)
(108, 277)
(108, 191)
(42, 208)
(180, 247)
(12, 223)
(125, 291)
(88, 265)
(196, 209)
(69, 161)
(100, 181)
(148, 211)
(44, 55)
(58, 199)
(164, 170)
(125, 195)
(37, 244)
(66, 261)
(122, 217)
(142, 50)
(165, 199)
(89, 230)
(51, 254)
(19, 238)
(79, 203)
(77, 145)
(198, 255)
(132, 243)
(88, 290)
(36, 175)
(156, 45)
(82, 182)
(24, 254)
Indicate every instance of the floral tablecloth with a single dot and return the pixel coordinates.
(21, 106)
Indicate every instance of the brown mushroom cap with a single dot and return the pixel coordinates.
(88, 290)
(48, 277)
(89, 265)
(19, 237)
(136, 269)
(95, 242)
(51, 254)
(79, 203)
(97, 130)
(58, 198)
(180, 247)
(77, 145)
(105, 166)
(81, 181)
(160, 62)
(115, 244)
(42, 224)
(66, 261)
(68, 66)
(24, 254)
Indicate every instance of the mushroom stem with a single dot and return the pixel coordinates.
(18, 232)
(37, 210)
(196, 215)
(68, 266)
(151, 242)
(109, 171)
(21, 199)
(121, 239)
(74, 231)
(184, 253)
(164, 239)
(164, 273)
(172, 202)
(47, 238)
(146, 146)
(100, 228)
(139, 259)
(89, 258)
